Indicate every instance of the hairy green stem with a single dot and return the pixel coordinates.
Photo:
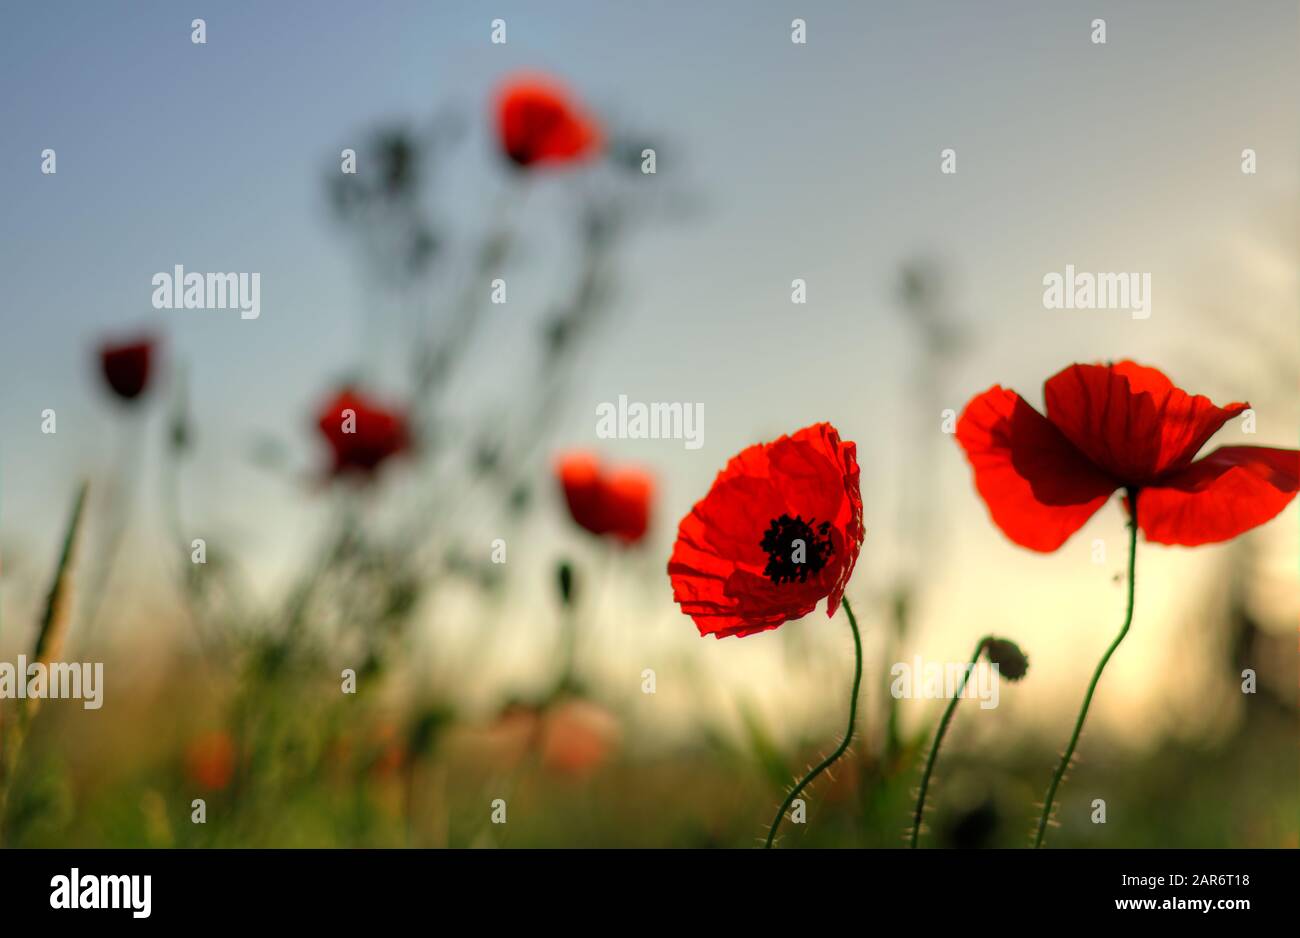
(1096, 675)
(848, 733)
(938, 740)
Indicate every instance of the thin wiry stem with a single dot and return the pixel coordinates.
(938, 739)
(848, 733)
(1096, 675)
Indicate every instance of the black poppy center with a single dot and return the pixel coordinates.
(796, 548)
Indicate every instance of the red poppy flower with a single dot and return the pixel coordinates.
(577, 737)
(126, 366)
(361, 433)
(539, 122)
(613, 502)
(736, 568)
(1119, 426)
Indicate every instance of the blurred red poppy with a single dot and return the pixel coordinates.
(362, 434)
(570, 736)
(539, 122)
(606, 502)
(1119, 426)
(577, 737)
(780, 529)
(210, 760)
(126, 366)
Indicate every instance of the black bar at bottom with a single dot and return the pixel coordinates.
(442, 888)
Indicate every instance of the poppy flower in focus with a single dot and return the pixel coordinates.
(1119, 426)
(210, 760)
(126, 366)
(539, 122)
(614, 502)
(361, 433)
(779, 530)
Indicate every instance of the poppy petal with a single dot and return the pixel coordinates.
(580, 478)
(1131, 420)
(1230, 491)
(723, 598)
(1038, 488)
(629, 493)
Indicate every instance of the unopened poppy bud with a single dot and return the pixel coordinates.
(564, 576)
(1011, 661)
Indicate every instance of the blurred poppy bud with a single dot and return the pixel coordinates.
(397, 156)
(564, 575)
(1011, 661)
(179, 432)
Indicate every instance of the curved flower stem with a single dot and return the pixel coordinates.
(1096, 675)
(938, 740)
(848, 733)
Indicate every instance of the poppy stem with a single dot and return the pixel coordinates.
(938, 739)
(1096, 675)
(848, 733)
